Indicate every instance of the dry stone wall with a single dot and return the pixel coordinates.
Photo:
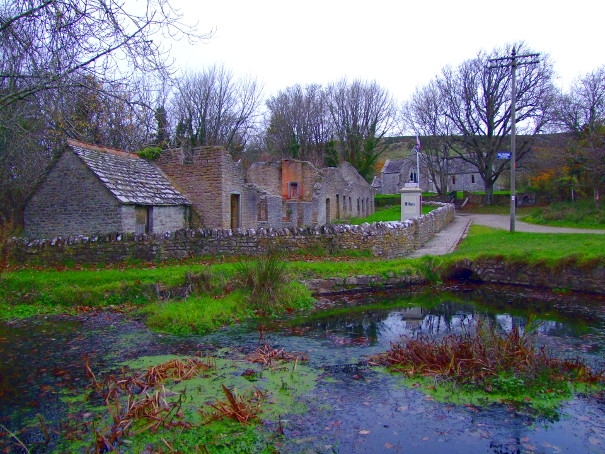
(383, 239)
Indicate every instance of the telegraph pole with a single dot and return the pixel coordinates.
(503, 62)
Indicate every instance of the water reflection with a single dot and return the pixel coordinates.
(381, 320)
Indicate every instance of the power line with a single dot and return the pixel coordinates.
(513, 61)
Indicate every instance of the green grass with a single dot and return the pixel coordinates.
(29, 292)
(547, 248)
(197, 314)
(583, 214)
(201, 314)
(390, 213)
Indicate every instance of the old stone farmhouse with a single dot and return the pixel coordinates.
(98, 190)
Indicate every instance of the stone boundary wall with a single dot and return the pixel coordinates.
(570, 276)
(382, 239)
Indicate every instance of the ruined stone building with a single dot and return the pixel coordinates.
(97, 190)
(312, 196)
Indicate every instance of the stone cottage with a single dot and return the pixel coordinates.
(463, 176)
(98, 190)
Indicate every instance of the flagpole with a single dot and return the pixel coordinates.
(418, 161)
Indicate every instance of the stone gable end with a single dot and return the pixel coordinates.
(71, 201)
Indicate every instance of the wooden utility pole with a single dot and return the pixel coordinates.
(513, 61)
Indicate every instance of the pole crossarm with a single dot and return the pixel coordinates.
(513, 60)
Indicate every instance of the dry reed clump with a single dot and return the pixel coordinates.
(481, 356)
(267, 355)
(241, 408)
(176, 370)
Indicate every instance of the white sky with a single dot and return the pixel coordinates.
(400, 44)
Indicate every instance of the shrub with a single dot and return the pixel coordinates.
(150, 153)
(7, 229)
(204, 282)
(265, 279)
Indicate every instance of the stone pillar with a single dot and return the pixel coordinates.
(411, 203)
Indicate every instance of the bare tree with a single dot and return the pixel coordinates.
(86, 112)
(25, 152)
(361, 114)
(67, 69)
(215, 108)
(45, 42)
(478, 102)
(582, 112)
(298, 123)
(423, 114)
(584, 105)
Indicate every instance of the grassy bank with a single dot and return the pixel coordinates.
(583, 214)
(198, 297)
(531, 248)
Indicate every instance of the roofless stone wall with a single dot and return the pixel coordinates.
(383, 239)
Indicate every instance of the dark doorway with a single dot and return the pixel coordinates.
(143, 216)
(235, 221)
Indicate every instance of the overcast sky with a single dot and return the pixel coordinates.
(400, 44)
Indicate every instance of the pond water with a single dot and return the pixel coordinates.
(352, 408)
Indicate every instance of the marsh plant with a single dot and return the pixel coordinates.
(266, 279)
(204, 281)
(486, 360)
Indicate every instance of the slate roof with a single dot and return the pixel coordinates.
(393, 166)
(457, 165)
(131, 179)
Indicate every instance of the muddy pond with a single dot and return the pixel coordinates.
(350, 407)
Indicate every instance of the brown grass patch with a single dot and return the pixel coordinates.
(480, 354)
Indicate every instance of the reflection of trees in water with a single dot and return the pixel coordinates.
(387, 325)
(570, 308)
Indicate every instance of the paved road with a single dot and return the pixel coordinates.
(447, 240)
